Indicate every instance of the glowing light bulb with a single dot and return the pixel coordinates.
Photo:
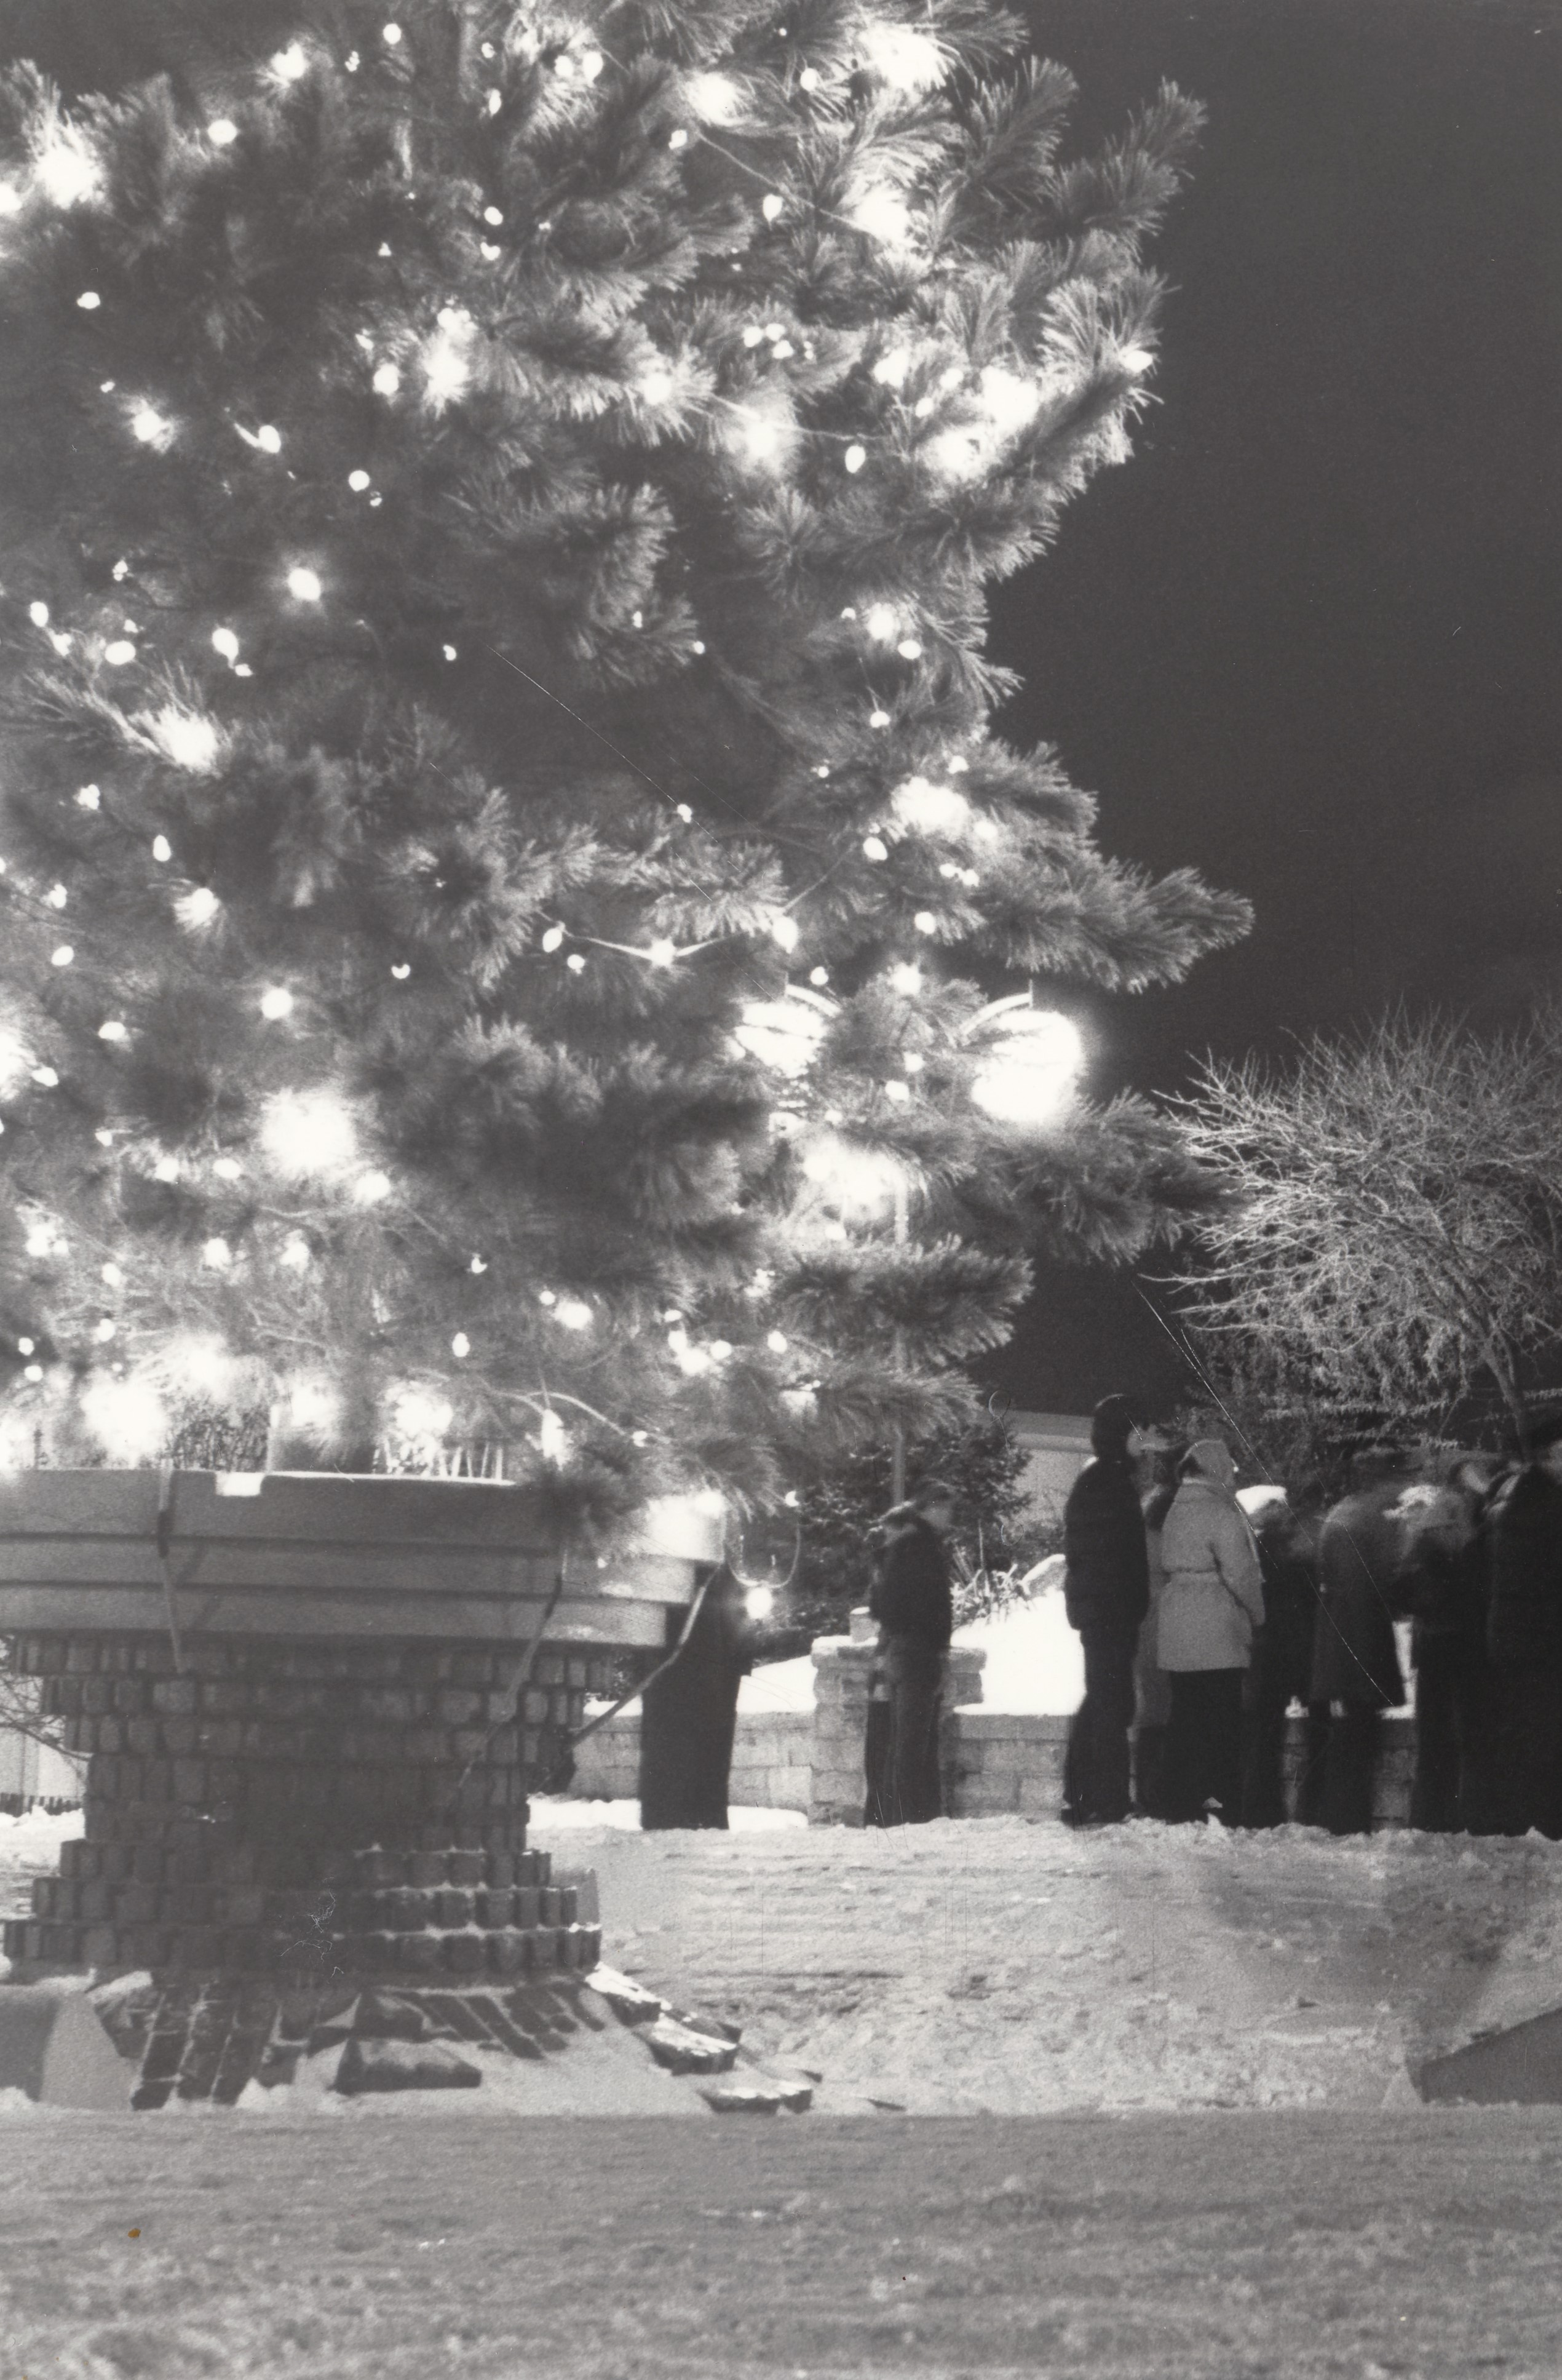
(401, 971)
(907, 978)
(772, 207)
(89, 302)
(162, 849)
(493, 215)
(357, 482)
(268, 438)
(679, 139)
(553, 939)
(891, 370)
(909, 648)
(66, 171)
(878, 719)
(591, 65)
(111, 1030)
(903, 58)
(89, 797)
(223, 641)
(276, 1002)
(304, 585)
(197, 907)
(391, 36)
(39, 614)
(62, 955)
(875, 847)
(290, 64)
(227, 1169)
(656, 386)
(661, 952)
(897, 1091)
(26, 1346)
(386, 380)
(881, 215)
(855, 458)
(924, 922)
(819, 976)
(216, 1255)
(370, 1188)
(309, 1133)
(56, 896)
(296, 1252)
(449, 652)
(47, 1077)
(573, 1313)
(151, 428)
(575, 962)
(809, 79)
(714, 98)
(33, 1372)
(784, 930)
(883, 622)
(165, 1170)
(460, 1346)
(478, 1265)
(221, 133)
(105, 1139)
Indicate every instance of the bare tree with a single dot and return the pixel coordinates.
(1395, 1229)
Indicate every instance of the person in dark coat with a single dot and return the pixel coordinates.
(1152, 1687)
(1440, 1584)
(1106, 1594)
(1524, 1544)
(912, 1601)
(1286, 1530)
(1355, 1659)
(689, 1715)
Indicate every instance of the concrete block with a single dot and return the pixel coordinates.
(54, 2048)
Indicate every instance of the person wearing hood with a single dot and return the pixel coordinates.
(912, 1598)
(1105, 1593)
(1211, 1608)
(1355, 1659)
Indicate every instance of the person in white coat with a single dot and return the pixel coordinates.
(1211, 1607)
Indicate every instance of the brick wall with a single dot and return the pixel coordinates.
(773, 1758)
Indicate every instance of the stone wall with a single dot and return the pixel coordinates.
(772, 1757)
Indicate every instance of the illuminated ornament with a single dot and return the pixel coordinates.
(25, 1346)
(926, 922)
(575, 962)
(923, 406)
(564, 66)
(661, 952)
(874, 845)
(197, 907)
(855, 458)
(401, 972)
(591, 65)
(56, 896)
(573, 1313)
(33, 1372)
(304, 585)
(89, 302)
(165, 1170)
(1026, 1076)
(883, 622)
(223, 641)
(762, 436)
(696, 646)
(913, 1061)
(89, 797)
(553, 939)
(1136, 359)
(351, 62)
(62, 955)
(753, 336)
(776, 1341)
(386, 380)
(959, 765)
(61, 642)
(819, 975)
(639, 1437)
(489, 250)
(121, 568)
(546, 1297)
(357, 482)
(460, 1346)
(553, 1438)
(216, 1255)
(785, 1033)
(714, 98)
(909, 648)
(679, 139)
(903, 58)
(857, 1180)
(111, 1030)
(878, 719)
(721, 1350)
(391, 36)
(897, 1091)
(783, 931)
(269, 439)
(809, 79)
(449, 653)
(823, 768)
(478, 1265)
(771, 207)
(309, 1133)
(151, 428)
(686, 813)
(370, 1188)
(850, 613)
(227, 1169)
(47, 1077)
(39, 614)
(492, 216)
(907, 978)
(221, 133)
(929, 809)
(290, 64)
(276, 1002)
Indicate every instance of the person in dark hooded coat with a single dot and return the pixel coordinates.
(1524, 1544)
(689, 1715)
(1355, 1659)
(1286, 1530)
(1440, 1583)
(1106, 1594)
(912, 1601)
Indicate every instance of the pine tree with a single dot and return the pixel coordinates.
(507, 858)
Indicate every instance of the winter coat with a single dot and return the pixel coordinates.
(1213, 1600)
(1288, 1554)
(1355, 1659)
(911, 1595)
(1438, 1582)
(689, 1716)
(1152, 1691)
(1524, 1571)
(1107, 1582)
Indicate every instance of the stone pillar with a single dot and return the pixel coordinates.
(305, 1810)
(841, 1673)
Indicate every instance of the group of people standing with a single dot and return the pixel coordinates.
(1206, 1613)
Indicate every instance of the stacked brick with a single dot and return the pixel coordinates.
(841, 1668)
(310, 1808)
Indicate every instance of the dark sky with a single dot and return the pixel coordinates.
(1307, 639)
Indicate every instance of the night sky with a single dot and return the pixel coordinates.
(1307, 639)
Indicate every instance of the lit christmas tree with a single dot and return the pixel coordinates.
(507, 866)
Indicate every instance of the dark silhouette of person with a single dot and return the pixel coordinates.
(1523, 1551)
(1287, 1534)
(1106, 1594)
(1355, 1659)
(912, 1601)
(689, 1715)
(1440, 1583)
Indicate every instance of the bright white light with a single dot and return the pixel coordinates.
(903, 58)
(40, 1241)
(1027, 1076)
(906, 978)
(909, 648)
(197, 908)
(47, 1077)
(891, 369)
(897, 1090)
(776, 1341)
(661, 952)
(389, 35)
(62, 955)
(39, 614)
(926, 922)
(127, 1418)
(296, 1252)
(56, 896)
(25, 1346)
(573, 1313)
(223, 641)
(162, 849)
(656, 385)
(881, 215)
(309, 1132)
(304, 586)
(679, 139)
(370, 1188)
(856, 1179)
(227, 1169)
(190, 741)
(152, 429)
(276, 1001)
(217, 1254)
(809, 79)
(386, 381)
(89, 302)
(66, 170)
(714, 98)
(576, 963)
(784, 930)
(772, 207)
(165, 1170)
(883, 622)
(418, 1414)
(221, 133)
(878, 719)
(494, 215)
(290, 64)
(401, 971)
(112, 1030)
(461, 1346)
(553, 939)
(874, 845)
(89, 797)
(34, 1372)
(357, 482)
(105, 1331)
(269, 439)
(785, 1034)
(592, 64)
(762, 436)
(120, 653)
(446, 358)
(553, 1438)
(929, 808)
